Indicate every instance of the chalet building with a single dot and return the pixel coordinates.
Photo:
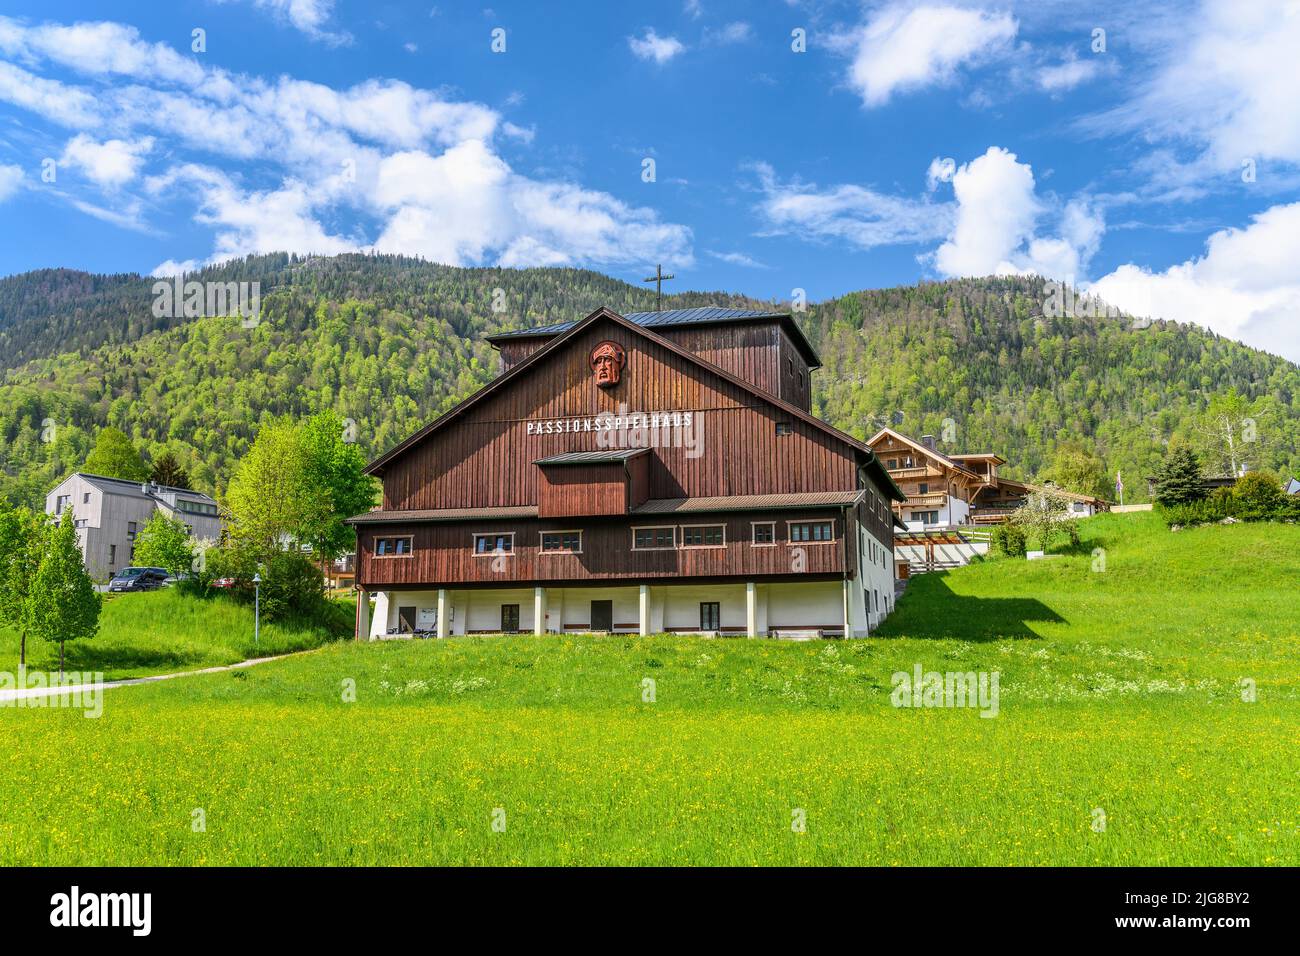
(951, 491)
(109, 512)
(656, 472)
(939, 487)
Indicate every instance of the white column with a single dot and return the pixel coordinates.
(444, 609)
(645, 610)
(363, 615)
(539, 611)
(751, 609)
(848, 615)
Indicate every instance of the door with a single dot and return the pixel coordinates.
(509, 618)
(406, 620)
(602, 615)
(710, 616)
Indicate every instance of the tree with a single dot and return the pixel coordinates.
(22, 543)
(1076, 468)
(1043, 516)
(167, 470)
(63, 605)
(1178, 480)
(114, 456)
(273, 500)
(334, 467)
(164, 542)
(1228, 435)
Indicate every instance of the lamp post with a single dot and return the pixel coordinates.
(257, 609)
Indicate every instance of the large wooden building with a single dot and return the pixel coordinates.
(659, 472)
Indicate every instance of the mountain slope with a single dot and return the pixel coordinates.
(391, 342)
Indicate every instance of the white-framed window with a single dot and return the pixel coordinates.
(762, 534)
(394, 546)
(812, 532)
(561, 542)
(704, 536)
(494, 543)
(656, 538)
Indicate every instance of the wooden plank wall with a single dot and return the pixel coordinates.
(443, 552)
(484, 458)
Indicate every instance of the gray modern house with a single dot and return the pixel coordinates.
(109, 512)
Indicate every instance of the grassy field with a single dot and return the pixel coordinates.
(1120, 696)
(156, 632)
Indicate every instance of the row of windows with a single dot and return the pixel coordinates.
(662, 538)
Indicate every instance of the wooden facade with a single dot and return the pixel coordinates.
(705, 432)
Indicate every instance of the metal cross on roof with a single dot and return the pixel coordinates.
(658, 279)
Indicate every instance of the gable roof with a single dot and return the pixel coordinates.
(923, 449)
(1026, 487)
(124, 486)
(707, 315)
(878, 471)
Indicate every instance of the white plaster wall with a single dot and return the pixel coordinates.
(682, 605)
(577, 607)
(811, 604)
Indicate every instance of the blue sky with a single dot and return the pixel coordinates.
(1149, 152)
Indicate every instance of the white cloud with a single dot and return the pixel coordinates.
(651, 46)
(852, 213)
(308, 16)
(1227, 86)
(737, 259)
(112, 163)
(736, 32)
(409, 165)
(1068, 74)
(11, 177)
(902, 49)
(165, 270)
(995, 230)
(1245, 286)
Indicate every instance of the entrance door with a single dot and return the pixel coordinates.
(710, 616)
(602, 615)
(406, 620)
(509, 618)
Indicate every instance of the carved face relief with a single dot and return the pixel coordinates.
(607, 361)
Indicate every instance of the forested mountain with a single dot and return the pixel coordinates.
(391, 342)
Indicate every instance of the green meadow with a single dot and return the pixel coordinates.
(1124, 735)
(157, 632)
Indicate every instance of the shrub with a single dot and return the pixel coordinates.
(1008, 539)
(292, 587)
(1258, 497)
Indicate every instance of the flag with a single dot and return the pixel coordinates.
(1119, 482)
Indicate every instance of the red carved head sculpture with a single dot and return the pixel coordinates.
(607, 361)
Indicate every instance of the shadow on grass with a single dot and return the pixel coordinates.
(930, 610)
(84, 656)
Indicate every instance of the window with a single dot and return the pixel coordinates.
(112, 554)
(764, 533)
(489, 544)
(393, 547)
(815, 531)
(783, 428)
(130, 530)
(923, 488)
(891, 465)
(710, 616)
(85, 498)
(561, 542)
(703, 536)
(509, 618)
(654, 539)
(62, 503)
(929, 517)
(196, 507)
(80, 523)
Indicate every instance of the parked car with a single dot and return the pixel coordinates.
(223, 582)
(138, 579)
